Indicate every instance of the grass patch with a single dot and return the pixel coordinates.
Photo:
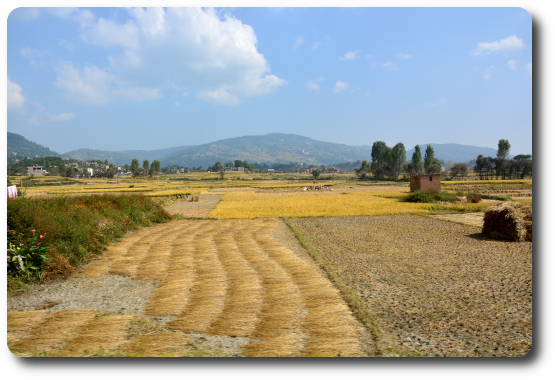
(430, 197)
(77, 228)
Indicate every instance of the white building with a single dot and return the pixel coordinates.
(34, 170)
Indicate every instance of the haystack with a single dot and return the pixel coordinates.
(509, 221)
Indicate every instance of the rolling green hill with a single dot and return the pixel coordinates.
(20, 148)
(122, 157)
(271, 148)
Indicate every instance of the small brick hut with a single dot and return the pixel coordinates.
(425, 182)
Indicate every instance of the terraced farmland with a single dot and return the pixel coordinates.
(227, 279)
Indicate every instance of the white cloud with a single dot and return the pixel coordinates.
(219, 96)
(340, 86)
(298, 42)
(390, 65)
(82, 16)
(316, 45)
(313, 84)
(41, 114)
(107, 33)
(511, 43)
(62, 117)
(93, 86)
(404, 56)
(511, 64)
(488, 72)
(16, 100)
(89, 85)
(350, 55)
(188, 49)
(437, 103)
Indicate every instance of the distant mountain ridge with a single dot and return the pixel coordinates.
(272, 148)
(20, 148)
(122, 157)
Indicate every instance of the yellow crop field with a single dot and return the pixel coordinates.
(248, 204)
(163, 193)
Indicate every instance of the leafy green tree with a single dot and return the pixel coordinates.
(430, 162)
(363, 170)
(146, 166)
(155, 167)
(134, 167)
(316, 173)
(484, 166)
(398, 159)
(503, 149)
(459, 170)
(380, 157)
(416, 167)
(428, 159)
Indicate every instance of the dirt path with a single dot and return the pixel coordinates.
(200, 209)
(189, 287)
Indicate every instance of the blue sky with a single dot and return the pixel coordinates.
(115, 78)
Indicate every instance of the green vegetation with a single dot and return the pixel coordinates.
(430, 197)
(74, 229)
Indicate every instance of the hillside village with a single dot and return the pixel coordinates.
(71, 168)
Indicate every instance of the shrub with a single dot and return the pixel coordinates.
(27, 259)
(420, 197)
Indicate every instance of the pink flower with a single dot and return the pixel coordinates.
(38, 245)
(41, 236)
(33, 230)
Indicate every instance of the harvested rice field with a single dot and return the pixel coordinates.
(434, 287)
(190, 288)
(356, 273)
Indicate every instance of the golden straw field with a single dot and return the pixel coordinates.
(249, 204)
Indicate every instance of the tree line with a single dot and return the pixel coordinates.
(389, 162)
(501, 166)
(147, 169)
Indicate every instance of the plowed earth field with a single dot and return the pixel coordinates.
(189, 288)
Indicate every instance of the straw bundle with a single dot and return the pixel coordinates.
(20, 323)
(102, 335)
(172, 293)
(161, 344)
(209, 289)
(508, 221)
(53, 331)
(244, 299)
(155, 263)
(330, 328)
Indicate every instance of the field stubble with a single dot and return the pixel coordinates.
(436, 288)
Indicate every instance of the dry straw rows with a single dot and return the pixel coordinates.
(223, 278)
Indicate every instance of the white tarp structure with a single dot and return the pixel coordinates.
(12, 192)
